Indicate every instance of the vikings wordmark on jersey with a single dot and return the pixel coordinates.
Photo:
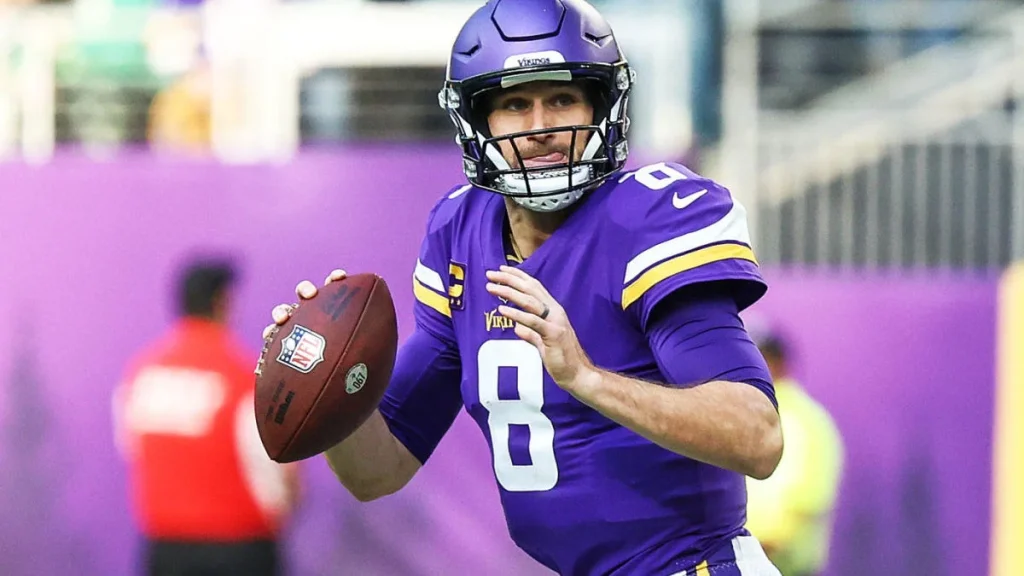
(495, 321)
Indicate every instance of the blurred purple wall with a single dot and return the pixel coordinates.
(906, 366)
(87, 253)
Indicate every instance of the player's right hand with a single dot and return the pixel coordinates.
(304, 290)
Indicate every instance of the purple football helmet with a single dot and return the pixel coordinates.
(511, 42)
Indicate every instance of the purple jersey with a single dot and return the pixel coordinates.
(582, 494)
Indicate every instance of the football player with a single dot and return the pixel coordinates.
(586, 318)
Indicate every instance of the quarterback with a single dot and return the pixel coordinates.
(587, 318)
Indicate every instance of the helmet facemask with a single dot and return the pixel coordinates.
(543, 188)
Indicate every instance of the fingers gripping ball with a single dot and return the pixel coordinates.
(323, 372)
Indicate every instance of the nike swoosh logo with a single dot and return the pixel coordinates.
(685, 201)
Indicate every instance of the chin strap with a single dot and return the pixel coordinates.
(552, 203)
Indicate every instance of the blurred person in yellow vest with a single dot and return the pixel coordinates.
(791, 512)
(180, 114)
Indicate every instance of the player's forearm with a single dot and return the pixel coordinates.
(726, 424)
(371, 463)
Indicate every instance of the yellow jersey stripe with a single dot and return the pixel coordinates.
(679, 264)
(702, 569)
(731, 228)
(428, 297)
(1008, 459)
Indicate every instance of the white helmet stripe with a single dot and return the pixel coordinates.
(616, 112)
(494, 154)
(595, 142)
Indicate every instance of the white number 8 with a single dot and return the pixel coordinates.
(656, 176)
(542, 473)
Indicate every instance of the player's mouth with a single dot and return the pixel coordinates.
(552, 159)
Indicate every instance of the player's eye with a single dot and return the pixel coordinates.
(564, 99)
(513, 104)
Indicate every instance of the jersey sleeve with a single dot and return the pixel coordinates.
(431, 279)
(699, 337)
(424, 396)
(683, 229)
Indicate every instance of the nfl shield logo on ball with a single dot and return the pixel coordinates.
(355, 378)
(302, 350)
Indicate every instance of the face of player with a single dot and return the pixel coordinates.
(539, 105)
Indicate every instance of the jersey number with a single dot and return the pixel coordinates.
(656, 176)
(522, 359)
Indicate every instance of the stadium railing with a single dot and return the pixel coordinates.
(917, 165)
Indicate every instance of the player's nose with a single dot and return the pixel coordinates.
(541, 119)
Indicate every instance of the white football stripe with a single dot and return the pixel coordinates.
(428, 277)
(731, 228)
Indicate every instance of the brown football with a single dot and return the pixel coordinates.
(323, 372)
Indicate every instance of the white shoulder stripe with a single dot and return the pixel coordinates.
(428, 277)
(460, 191)
(731, 228)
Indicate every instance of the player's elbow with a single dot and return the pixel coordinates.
(769, 448)
(367, 487)
(374, 486)
(365, 491)
(369, 494)
(764, 466)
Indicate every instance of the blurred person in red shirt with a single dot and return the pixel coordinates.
(206, 497)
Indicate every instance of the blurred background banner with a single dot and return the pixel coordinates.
(84, 304)
(905, 363)
(877, 144)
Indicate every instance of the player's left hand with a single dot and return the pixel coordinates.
(541, 321)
